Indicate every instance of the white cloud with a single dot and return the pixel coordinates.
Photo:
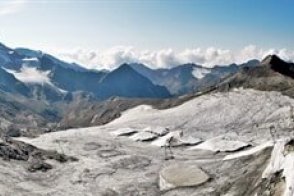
(11, 6)
(31, 75)
(200, 73)
(167, 58)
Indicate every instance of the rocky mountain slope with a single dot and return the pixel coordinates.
(20, 116)
(272, 74)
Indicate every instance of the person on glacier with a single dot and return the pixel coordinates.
(171, 142)
(273, 133)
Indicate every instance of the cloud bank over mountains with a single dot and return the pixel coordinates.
(167, 58)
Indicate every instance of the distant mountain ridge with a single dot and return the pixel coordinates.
(62, 79)
(189, 78)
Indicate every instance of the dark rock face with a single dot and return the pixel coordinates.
(12, 131)
(275, 185)
(36, 158)
(278, 65)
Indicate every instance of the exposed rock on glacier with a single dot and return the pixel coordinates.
(35, 158)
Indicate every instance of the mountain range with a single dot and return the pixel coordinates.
(189, 78)
(41, 93)
(40, 76)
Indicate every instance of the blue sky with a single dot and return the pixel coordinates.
(151, 24)
(105, 33)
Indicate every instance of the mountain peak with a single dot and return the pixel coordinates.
(125, 69)
(125, 66)
(278, 65)
(126, 82)
(271, 59)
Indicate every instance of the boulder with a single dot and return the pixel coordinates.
(181, 175)
(17, 150)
